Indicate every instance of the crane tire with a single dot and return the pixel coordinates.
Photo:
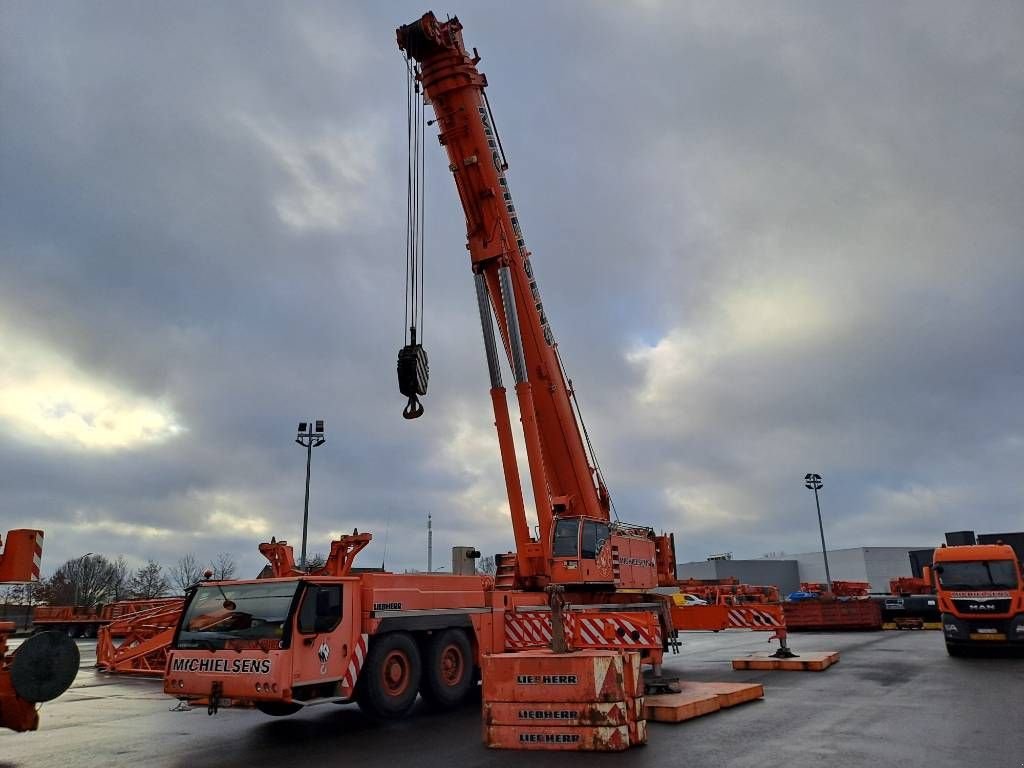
(390, 679)
(448, 669)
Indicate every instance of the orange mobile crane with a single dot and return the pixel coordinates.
(577, 544)
(45, 665)
(301, 638)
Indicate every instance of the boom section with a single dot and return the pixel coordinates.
(564, 483)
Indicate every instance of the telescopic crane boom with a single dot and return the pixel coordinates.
(572, 502)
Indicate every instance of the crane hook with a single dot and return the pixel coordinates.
(414, 409)
(413, 373)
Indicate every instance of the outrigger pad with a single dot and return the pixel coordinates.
(44, 666)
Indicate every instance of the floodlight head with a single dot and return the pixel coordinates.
(812, 481)
(302, 426)
(319, 425)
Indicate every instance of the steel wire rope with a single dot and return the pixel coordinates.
(586, 434)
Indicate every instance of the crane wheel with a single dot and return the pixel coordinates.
(390, 679)
(448, 669)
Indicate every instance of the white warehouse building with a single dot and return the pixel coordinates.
(875, 565)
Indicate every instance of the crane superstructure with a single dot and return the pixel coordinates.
(577, 543)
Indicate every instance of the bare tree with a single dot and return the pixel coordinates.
(487, 565)
(223, 567)
(186, 572)
(89, 581)
(149, 581)
(119, 577)
(315, 562)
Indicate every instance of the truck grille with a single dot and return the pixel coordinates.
(982, 607)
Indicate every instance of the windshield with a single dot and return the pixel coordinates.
(237, 616)
(982, 574)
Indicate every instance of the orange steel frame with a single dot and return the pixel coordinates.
(145, 637)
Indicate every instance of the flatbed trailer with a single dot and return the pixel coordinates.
(82, 621)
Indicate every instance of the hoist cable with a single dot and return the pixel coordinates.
(586, 434)
(413, 370)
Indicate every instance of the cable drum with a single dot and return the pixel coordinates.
(44, 666)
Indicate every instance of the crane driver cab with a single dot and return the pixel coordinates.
(594, 552)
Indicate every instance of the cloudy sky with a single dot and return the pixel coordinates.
(772, 238)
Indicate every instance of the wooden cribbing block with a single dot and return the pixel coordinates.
(678, 707)
(697, 699)
(729, 694)
(806, 661)
(553, 737)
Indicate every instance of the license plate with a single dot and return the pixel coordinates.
(225, 702)
(988, 636)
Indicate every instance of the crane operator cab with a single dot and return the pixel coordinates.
(594, 552)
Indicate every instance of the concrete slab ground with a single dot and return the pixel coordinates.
(896, 698)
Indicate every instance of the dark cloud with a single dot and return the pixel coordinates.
(769, 240)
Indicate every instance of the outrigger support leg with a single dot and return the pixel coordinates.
(784, 651)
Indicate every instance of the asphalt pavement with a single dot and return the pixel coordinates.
(894, 699)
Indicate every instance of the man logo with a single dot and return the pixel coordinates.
(324, 652)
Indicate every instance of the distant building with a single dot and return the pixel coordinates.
(780, 573)
(875, 565)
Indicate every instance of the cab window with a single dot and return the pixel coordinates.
(321, 608)
(567, 534)
(595, 534)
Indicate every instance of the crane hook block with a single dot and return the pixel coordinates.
(413, 373)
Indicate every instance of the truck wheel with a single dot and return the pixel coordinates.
(448, 670)
(278, 708)
(391, 678)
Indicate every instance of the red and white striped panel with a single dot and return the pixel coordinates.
(612, 631)
(533, 630)
(37, 556)
(355, 665)
(527, 630)
(752, 618)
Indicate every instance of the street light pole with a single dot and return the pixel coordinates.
(813, 482)
(310, 436)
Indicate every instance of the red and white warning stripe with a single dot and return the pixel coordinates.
(355, 664)
(533, 630)
(752, 618)
(37, 556)
(527, 630)
(611, 631)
